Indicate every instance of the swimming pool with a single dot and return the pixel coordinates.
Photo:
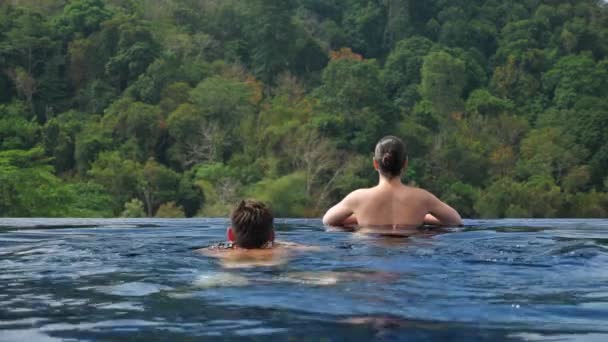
(140, 280)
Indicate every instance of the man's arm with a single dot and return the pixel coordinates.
(445, 215)
(350, 221)
(342, 213)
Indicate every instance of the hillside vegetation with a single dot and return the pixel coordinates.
(181, 107)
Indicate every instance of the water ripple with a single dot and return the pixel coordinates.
(492, 279)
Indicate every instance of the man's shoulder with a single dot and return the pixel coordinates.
(296, 246)
(357, 195)
(360, 192)
(419, 192)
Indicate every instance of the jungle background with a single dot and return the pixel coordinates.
(174, 108)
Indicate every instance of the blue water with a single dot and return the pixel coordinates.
(140, 280)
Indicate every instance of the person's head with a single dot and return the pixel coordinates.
(251, 225)
(390, 156)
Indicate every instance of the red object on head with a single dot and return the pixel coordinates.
(230, 234)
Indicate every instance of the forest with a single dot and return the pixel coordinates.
(179, 108)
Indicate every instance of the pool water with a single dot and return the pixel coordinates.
(141, 280)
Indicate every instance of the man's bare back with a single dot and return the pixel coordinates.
(391, 203)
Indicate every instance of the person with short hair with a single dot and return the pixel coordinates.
(251, 240)
(391, 203)
(251, 225)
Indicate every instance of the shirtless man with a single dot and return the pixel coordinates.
(390, 203)
(251, 239)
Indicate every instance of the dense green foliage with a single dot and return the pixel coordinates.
(176, 108)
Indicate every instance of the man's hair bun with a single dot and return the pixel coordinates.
(387, 160)
(390, 155)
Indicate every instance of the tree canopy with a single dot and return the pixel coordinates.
(178, 108)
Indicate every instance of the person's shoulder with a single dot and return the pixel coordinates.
(420, 193)
(239, 253)
(292, 246)
(356, 196)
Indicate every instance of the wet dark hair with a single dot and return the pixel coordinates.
(252, 224)
(390, 154)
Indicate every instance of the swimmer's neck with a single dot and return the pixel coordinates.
(392, 182)
(267, 245)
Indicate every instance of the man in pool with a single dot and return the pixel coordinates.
(390, 203)
(251, 239)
